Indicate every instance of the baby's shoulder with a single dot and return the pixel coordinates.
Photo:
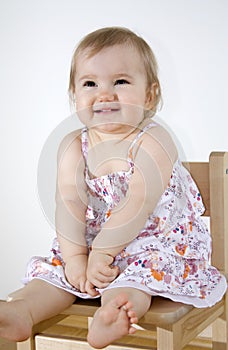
(159, 132)
(70, 145)
(159, 140)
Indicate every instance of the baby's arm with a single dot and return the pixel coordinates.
(71, 204)
(75, 258)
(153, 167)
(70, 210)
(71, 197)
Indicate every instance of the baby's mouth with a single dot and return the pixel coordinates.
(106, 108)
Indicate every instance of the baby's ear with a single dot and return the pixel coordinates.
(151, 96)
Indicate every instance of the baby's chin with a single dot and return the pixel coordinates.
(112, 128)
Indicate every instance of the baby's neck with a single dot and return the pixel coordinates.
(98, 135)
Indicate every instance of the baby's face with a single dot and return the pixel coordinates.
(110, 89)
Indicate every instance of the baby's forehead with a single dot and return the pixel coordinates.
(91, 51)
(113, 59)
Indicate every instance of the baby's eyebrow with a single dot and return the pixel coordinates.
(120, 75)
(94, 77)
(87, 77)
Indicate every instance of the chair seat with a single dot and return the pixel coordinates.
(162, 310)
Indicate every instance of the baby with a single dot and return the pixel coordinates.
(128, 223)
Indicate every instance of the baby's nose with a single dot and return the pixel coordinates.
(106, 94)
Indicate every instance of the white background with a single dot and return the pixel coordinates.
(37, 38)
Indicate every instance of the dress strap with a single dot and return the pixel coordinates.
(130, 156)
(85, 145)
(84, 140)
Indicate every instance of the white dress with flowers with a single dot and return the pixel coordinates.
(170, 257)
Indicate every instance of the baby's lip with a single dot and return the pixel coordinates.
(106, 108)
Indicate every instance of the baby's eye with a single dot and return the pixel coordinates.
(89, 83)
(121, 82)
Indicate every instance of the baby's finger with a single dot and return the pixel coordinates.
(100, 283)
(101, 278)
(110, 271)
(116, 270)
(90, 289)
(74, 283)
(83, 286)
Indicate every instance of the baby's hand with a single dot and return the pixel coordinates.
(75, 270)
(100, 273)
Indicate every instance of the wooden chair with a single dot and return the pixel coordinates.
(177, 324)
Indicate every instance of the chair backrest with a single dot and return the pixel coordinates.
(212, 181)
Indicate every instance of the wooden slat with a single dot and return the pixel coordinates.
(68, 344)
(219, 209)
(75, 328)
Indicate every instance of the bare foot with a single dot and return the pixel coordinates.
(111, 322)
(15, 320)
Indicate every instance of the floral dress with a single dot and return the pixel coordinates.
(170, 257)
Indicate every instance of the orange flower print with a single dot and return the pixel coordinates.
(56, 262)
(181, 248)
(202, 294)
(186, 271)
(108, 213)
(157, 275)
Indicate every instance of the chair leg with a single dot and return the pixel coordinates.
(166, 340)
(28, 344)
(219, 335)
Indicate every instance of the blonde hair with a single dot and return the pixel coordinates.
(110, 36)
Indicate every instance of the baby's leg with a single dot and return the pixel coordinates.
(37, 301)
(120, 308)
